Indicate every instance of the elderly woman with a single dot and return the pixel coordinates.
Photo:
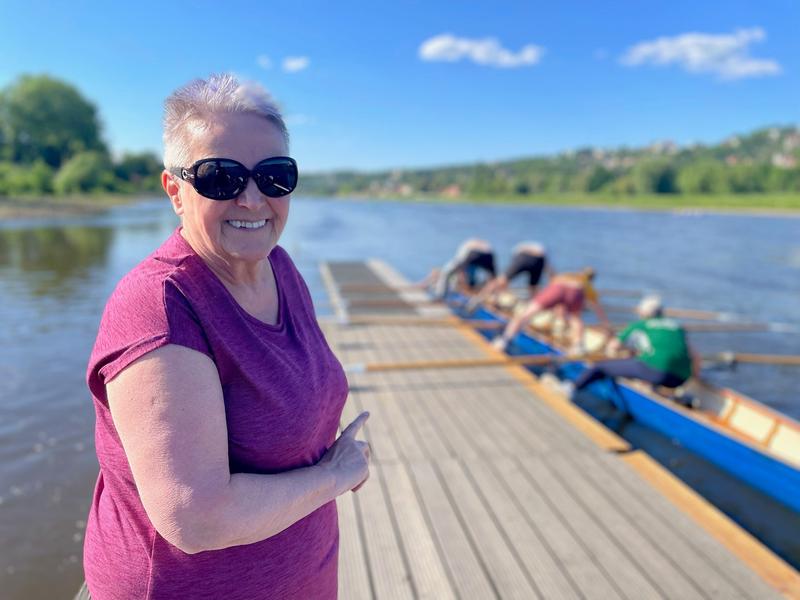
(217, 397)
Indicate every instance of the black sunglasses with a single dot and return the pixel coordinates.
(224, 178)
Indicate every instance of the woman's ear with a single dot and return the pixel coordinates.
(172, 187)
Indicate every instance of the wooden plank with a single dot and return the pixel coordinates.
(428, 571)
(545, 572)
(388, 566)
(650, 518)
(503, 563)
(386, 557)
(470, 575)
(745, 579)
(578, 563)
(631, 581)
(353, 570)
(656, 566)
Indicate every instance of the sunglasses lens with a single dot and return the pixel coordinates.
(276, 177)
(220, 179)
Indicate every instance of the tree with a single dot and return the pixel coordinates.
(140, 170)
(17, 180)
(703, 177)
(597, 178)
(44, 118)
(85, 172)
(654, 176)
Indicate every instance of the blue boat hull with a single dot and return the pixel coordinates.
(761, 471)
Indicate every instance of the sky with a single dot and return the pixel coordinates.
(380, 85)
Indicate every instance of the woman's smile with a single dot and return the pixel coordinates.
(251, 225)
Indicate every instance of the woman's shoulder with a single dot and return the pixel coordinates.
(146, 310)
(290, 280)
(286, 268)
(141, 289)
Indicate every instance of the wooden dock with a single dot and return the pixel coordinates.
(485, 484)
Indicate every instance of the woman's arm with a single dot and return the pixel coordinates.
(169, 412)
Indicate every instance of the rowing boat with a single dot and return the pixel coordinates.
(738, 434)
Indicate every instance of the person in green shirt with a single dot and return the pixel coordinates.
(662, 354)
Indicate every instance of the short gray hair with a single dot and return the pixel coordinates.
(201, 99)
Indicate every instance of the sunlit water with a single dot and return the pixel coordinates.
(56, 276)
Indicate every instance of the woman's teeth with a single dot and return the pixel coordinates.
(247, 224)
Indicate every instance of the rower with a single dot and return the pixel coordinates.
(472, 256)
(566, 293)
(663, 355)
(528, 258)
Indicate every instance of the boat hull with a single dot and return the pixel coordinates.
(726, 450)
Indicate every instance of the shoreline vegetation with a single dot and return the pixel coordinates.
(29, 207)
(767, 204)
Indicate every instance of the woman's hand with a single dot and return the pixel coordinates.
(348, 458)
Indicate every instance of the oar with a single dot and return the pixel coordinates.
(679, 313)
(464, 363)
(716, 327)
(732, 358)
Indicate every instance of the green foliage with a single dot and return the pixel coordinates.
(46, 119)
(139, 171)
(704, 177)
(598, 178)
(50, 141)
(654, 176)
(85, 172)
(760, 162)
(22, 180)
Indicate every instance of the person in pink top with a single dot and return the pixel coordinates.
(216, 395)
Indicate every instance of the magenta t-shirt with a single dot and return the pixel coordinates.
(284, 391)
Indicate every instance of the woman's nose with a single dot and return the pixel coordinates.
(251, 197)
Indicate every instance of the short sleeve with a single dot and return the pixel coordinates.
(183, 325)
(139, 319)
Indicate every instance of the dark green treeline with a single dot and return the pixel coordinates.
(51, 142)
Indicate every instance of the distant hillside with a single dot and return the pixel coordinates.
(766, 160)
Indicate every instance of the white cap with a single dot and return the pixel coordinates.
(649, 306)
(534, 248)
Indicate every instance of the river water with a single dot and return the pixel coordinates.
(55, 277)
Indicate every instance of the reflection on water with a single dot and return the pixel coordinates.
(56, 259)
(55, 278)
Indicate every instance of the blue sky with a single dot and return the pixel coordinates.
(370, 85)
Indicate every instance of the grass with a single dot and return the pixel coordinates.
(735, 202)
(745, 203)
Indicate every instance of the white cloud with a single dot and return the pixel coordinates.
(726, 55)
(293, 64)
(486, 51)
(264, 61)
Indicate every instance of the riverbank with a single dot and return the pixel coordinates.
(753, 204)
(26, 207)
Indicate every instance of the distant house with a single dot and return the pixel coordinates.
(451, 191)
(784, 161)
